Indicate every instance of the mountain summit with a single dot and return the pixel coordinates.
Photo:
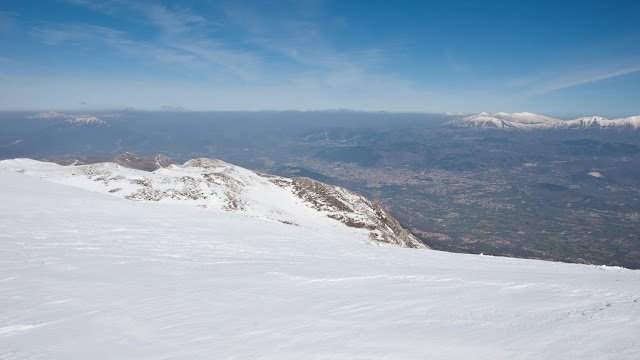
(217, 185)
(86, 120)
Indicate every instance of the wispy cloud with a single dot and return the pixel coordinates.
(6, 60)
(521, 81)
(253, 56)
(577, 78)
(54, 34)
(577, 65)
(7, 22)
(172, 22)
(302, 42)
(453, 62)
(108, 7)
(180, 41)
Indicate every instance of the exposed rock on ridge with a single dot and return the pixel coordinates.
(215, 184)
(353, 210)
(149, 163)
(128, 160)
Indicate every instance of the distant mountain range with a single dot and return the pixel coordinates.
(70, 136)
(527, 121)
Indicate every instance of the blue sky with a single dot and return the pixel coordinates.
(549, 57)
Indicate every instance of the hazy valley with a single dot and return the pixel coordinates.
(545, 192)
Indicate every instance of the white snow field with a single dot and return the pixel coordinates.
(85, 275)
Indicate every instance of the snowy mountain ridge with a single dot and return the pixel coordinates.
(219, 186)
(86, 120)
(529, 121)
(71, 118)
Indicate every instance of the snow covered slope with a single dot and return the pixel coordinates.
(591, 122)
(85, 275)
(217, 185)
(529, 121)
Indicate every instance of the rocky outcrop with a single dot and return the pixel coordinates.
(149, 163)
(128, 160)
(353, 210)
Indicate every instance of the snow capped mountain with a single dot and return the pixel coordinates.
(84, 273)
(72, 119)
(503, 121)
(591, 122)
(48, 115)
(219, 186)
(528, 121)
(525, 118)
(478, 121)
(86, 120)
